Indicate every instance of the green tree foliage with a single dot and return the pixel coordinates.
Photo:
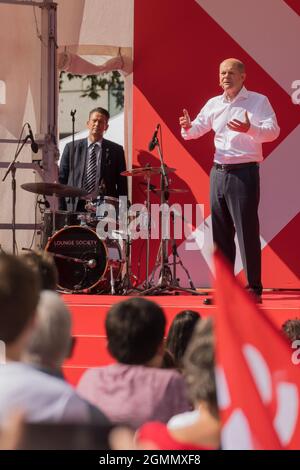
(93, 84)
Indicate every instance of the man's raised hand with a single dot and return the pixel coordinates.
(185, 120)
(239, 126)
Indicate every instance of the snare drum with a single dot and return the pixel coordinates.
(84, 262)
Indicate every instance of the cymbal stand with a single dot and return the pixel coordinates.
(126, 287)
(72, 114)
(54, 217)
(167, 282)
(147, 178)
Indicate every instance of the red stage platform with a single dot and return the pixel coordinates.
(88, 312)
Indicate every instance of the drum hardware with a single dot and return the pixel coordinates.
(88, 264)
(167, 282)
(91, 263)
(95, 269)
(62, 219)
(56, 190)
(147, 172)
(127, 286)
(90, 206)
(107, 206)
(112, 282)
(155, 190)
(72, 154)
(147, 176)
(84, 262)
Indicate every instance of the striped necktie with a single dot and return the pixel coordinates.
(91, 171)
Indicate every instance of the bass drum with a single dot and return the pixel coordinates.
(85, 263)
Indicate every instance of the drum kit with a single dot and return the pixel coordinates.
(85, 262)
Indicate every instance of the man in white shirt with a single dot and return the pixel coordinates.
(242, 120)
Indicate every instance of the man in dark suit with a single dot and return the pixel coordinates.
(98, 163)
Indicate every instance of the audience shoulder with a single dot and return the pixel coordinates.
(171, 377)
(88, 378)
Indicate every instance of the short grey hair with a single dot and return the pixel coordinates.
(51, 339)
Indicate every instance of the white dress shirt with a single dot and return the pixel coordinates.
(231, 146)
(98, 149)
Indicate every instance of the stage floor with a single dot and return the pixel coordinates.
(89, 311)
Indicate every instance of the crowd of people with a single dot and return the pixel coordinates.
(163, 406)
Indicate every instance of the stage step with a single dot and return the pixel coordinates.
(89, 312)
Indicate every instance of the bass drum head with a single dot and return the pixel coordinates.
(80, 257)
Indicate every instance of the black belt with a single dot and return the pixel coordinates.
(233, 166)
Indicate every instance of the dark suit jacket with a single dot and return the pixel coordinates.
(112, 164)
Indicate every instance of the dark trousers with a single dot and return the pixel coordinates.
(234, 199)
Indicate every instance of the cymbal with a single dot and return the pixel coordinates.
(146, 170)
(54, 189)
(171, 190)
(153, 189)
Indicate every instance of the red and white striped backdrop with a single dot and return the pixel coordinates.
(178, 45)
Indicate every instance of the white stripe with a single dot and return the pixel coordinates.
(268, 30)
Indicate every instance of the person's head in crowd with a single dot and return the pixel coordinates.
(180, 333)
(43, 264)
(198, 364)
(19, 295)
(203, 429)
(135, 330)
(291, 328)
(51, 342)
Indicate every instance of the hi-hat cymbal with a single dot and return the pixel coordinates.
(153, 189)
(171, 190)
(54, 189)
(146, 170)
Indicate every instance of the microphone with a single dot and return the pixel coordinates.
(92, 263)
(153, 141)
(34, 145)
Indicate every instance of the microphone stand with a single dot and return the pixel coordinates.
(72, 113)
(167, 282)
(12, 169)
